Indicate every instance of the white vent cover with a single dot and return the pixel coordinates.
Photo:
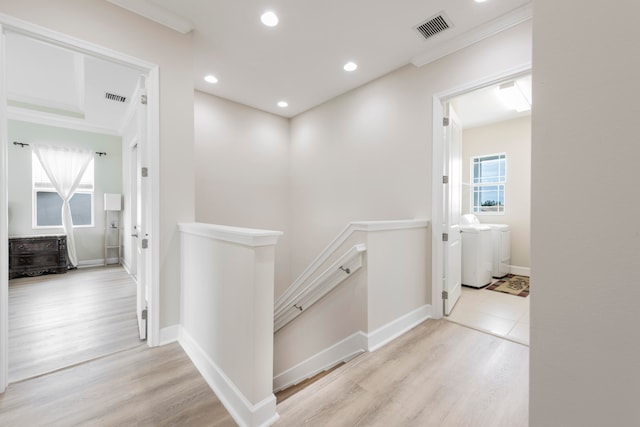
(114, 97)
(434, 25)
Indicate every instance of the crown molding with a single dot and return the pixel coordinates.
(157, 14)
(481, 32)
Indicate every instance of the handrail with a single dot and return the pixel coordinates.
(294, 288)
(338, 272)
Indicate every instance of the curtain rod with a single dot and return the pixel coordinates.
(22, 144)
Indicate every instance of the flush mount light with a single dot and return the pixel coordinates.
(514, 97)
(269, 19)
(480, 1)
(350, 66)
(211, 79)
(283, 104)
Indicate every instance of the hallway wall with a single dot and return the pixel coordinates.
(585, 246)
(367, 155)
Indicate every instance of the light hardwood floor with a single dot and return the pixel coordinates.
(439, 374)
(137, 387)
(62, 319)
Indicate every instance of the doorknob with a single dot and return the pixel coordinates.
(134, 235)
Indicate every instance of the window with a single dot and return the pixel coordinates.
(47, 204)
(489, 179)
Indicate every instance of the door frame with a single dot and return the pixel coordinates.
(437, 168)
(153, 136)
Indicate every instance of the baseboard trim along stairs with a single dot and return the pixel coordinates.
(350, 347)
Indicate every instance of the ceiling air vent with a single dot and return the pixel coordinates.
(114, 97)
(434, 25)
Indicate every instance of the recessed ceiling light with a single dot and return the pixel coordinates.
(350, 66)
(283, 104)
(480, 1)
(269, 19)
(211, 79)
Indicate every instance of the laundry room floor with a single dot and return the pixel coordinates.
(494, 312)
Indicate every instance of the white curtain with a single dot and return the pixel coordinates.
(64, 167)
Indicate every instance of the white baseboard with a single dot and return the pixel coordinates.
(350, 347)
(344, 350)
(397, 327)
(88, 263)
(520, 271)
(243, 412)
(169, 334)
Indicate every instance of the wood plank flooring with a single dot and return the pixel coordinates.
(62, 319)
(439, 374)
(137, 387)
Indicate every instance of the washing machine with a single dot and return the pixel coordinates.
(476, 254)
(500, 245)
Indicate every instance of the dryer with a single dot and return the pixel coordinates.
(476, 255)
(500, 245)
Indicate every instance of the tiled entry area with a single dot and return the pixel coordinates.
(498, 313)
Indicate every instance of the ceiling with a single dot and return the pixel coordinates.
(301, 60)
(51, 85)
(485, 106)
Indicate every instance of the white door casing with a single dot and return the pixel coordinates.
(4, 225)
(452, 260)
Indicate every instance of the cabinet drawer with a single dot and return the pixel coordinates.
(34, 246)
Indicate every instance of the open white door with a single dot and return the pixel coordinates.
(452, 268)
(141, 223)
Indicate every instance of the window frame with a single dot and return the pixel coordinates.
(42, 186)
(475, 209)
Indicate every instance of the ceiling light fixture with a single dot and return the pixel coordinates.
(211, 79)
(350, 66)
(480, 1)
(269, 19)
(283, 104)
(514, 97)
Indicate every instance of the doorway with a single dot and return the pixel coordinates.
(484, 134)
(149, 154)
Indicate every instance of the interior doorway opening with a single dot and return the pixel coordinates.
(78, 114)
(481, 133)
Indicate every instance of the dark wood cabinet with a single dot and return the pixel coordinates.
(36, 255)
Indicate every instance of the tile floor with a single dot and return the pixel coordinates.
(498, 313)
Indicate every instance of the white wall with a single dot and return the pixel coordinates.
(242, 171)
(107, 179)
(105, 24)
(366, 155)
(512, 137)
(585, 239)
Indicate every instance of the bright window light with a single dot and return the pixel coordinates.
(350, 66)
(513, 96)
(211, 79)
(269, 19)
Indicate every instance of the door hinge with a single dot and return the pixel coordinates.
(144, 314)
(445, 295)
(445, 237)
(445, 121)
(143, 99)
(445, 179)
(145, 243)
(144, 172)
